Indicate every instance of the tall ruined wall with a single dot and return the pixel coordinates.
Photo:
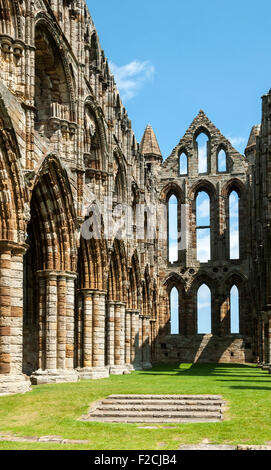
(220, 272)
(78, 304)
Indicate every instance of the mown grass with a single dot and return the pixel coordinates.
(56, 409)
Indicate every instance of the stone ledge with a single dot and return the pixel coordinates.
(93, 373)
(119, 370)
(51, 377)
(11, 384)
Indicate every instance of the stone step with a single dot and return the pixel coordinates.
(158, 414)
(152, 420)
(165, 397)
(162, 402)
(158, 407)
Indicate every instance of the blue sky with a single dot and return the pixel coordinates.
(173, 58)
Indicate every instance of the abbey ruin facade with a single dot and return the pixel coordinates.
(78, 299)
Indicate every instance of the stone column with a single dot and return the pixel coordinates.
(146, 342)
(269, 339)
(12, 380)
(94, 327)
(61, 322)
(110, 332)
(98, 351)
(87, 328)
(70, 307)
(128, 327)
(119, 340)
(135, 352)
(140, 340)
(56, 333)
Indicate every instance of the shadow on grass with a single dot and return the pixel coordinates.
(248, 387)
(203, 370)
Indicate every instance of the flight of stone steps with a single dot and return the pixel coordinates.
(157, 409)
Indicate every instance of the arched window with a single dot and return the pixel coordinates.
(202, 146)
(204, 310)
(183, 164)
(172, 229)
(203, 227)
(174, 312)
(234, 225)
(222, 161)
(234, 297)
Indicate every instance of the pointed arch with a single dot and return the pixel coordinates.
(202, 140)
(117, 275)
(204, 310)
(134, 283)
(120, 175)
(234, 310)
(222, 159)
(54, 87)
(183, 162)
(235, 213)
(10, 23)
(203, 228)
(174, 311)
(52, 221)
(95, 141)
(13, 195)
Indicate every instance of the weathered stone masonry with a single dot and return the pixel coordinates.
(73, 308)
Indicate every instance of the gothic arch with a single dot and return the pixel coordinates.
(134, 277)
(169, 190)
(13, 196)
(202, 185)
(120, 177)
(117, 276)
(101, 141)
(44, 25)
(52, 224)
(10, 23)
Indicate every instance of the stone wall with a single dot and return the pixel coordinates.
(75, 305)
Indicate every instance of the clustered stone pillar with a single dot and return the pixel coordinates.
(119, 340)
(98, 355)
(135, 351)
(56, 328)
(132, 353)
(128, 338)
(266, 339)
(12, 380)
(110, 353)
(146, 342)
(94, 332)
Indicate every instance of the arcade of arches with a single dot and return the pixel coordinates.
(77, 303)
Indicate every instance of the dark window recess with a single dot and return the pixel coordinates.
(163, 346)
(247, 346)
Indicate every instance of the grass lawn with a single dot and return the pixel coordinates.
(55, 409)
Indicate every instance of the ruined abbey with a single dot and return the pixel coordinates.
(80, 297)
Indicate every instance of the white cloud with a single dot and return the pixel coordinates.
(202, 159)
(173, 252)
(131, 77)
(203, 209)
(238, 142)
(203, 247)
(234, 244)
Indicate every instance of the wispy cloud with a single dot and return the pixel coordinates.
(203, 246)
(131, 77)
(202, 159)
(238, 142)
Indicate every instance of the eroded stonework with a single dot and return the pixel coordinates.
(75, 306)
